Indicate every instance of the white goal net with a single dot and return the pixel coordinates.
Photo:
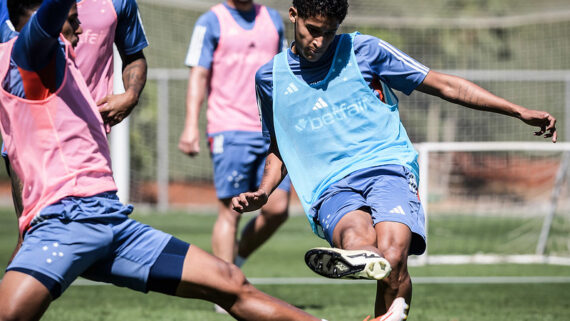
(496, 202)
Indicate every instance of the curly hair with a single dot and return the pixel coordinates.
(327, 8)
(18, 8)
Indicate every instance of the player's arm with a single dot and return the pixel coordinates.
(189, 142)
(199, 58)
(461, 91)
(130, 40)
(115, 108)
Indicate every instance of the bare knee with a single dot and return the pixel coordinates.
(355, 235)
(277, 207)
(226, 213)
(398, 261)
(236, 286)
(275, 216)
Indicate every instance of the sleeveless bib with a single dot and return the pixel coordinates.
(57, 146)
(231, 100)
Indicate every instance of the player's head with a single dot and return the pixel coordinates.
(72, 27)
(316, 23)
(20, 12)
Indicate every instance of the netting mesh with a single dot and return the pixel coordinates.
(495, 202)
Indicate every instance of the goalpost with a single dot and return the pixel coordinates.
(495, 202)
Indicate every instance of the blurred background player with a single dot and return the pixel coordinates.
(103, 23)
(328, 106)
(229, 43)
(73, 223)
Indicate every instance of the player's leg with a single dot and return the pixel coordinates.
(225, 231)
(209, 278)
(261, 227)
(22, 297)
(399, 224)
(233, 163)
(63, 244)
(394, 241)
(16, 185)
(391, 241)
(146, 259)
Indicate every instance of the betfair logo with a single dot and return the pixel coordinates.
(330, 115)
(301, 124)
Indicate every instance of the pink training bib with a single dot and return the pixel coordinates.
(57, 146)
(95, 47)
(231, 102)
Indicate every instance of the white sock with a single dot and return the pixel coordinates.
(239, 261)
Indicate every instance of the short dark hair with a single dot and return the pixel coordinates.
(18, 8)
(327, 8)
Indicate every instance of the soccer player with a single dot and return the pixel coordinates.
(328, 106)
(104, 23)
(229, 43)
(73, 223)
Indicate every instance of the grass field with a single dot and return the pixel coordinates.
(510, 295)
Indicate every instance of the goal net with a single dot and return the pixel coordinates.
(496, 202)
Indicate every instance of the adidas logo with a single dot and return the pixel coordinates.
(398, 210)
(291, 89)
(320, 104)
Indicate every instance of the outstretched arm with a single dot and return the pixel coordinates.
(273, 174)
(460, 91)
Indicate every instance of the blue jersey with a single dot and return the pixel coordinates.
(206, 34)
(6, 28)
(377, 60)
(129, 38)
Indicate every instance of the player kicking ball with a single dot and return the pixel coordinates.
(328, 106)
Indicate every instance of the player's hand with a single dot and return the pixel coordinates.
(189, 142)
(115, 108)
(543, 120)
(250, 201)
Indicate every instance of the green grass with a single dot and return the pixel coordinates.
(283, 257)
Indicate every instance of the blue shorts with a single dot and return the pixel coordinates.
(389, 193)
(94, 237)
(239, 160)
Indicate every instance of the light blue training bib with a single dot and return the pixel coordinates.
(330, 129)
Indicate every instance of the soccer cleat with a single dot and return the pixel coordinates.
(398, 312)
(347, 264)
